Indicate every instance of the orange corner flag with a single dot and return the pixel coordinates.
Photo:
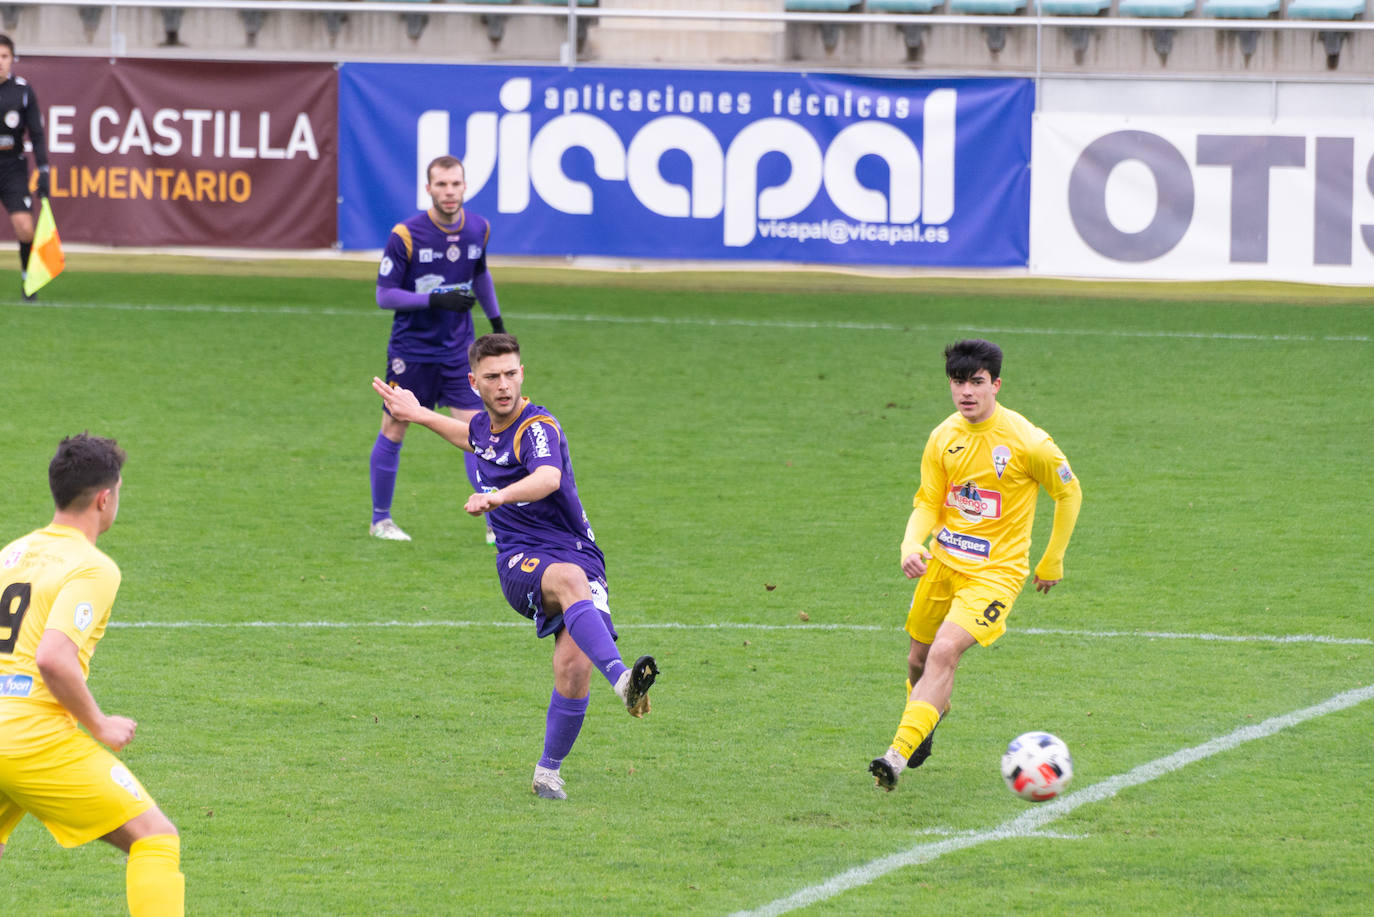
(46, 259)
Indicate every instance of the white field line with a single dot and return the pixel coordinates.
(896, 326)
(668, 625)
(731, 322)
(1053, 835)
(1030, 822)
(1217, 638)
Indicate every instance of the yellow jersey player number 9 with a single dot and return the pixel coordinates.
(56, 592)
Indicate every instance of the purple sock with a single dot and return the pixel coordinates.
(386, 458)
(589, 632)
(561, 727)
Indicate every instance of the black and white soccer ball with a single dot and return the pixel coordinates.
(1037, 766)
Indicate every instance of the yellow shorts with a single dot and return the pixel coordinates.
(944, 594)
(67, 780)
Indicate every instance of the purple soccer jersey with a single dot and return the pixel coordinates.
(421, 255)
(557, 523)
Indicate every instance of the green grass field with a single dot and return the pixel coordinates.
(343, 726)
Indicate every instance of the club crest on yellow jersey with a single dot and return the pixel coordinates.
(1001, 458)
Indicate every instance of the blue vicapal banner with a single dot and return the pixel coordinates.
(697, 164)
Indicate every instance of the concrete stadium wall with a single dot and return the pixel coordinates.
(1209, 98)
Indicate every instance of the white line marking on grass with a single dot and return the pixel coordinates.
(731, 322)
(1030, 822)
(950, 832)
(194, 308)
(311, 625)
(1219, 638)
(728, 625)
(893, 326)
(943, 831)
(1060, 836)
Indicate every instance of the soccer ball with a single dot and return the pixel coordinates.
(1037, 766)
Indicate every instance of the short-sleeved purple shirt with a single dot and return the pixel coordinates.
(557, 523)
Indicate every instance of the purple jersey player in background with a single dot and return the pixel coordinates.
(433, 271)
(550, 568)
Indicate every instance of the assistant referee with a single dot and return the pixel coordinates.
(19, 112)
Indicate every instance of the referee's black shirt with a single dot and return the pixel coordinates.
(19, 112)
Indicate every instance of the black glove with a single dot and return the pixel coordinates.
(455, 299)
(44, 185)
(498, 326)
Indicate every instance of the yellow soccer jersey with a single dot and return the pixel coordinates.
(51, 579)
(979, 484)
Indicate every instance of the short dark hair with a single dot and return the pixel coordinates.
(443, 162)
(83, 466)
(7, 42)
(963, 359)
(492, 345)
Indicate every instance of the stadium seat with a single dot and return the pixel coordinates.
(1072, 7)
(1163, 39)
(987, 7)
(996, 34)
(1325, 9)
(1156, 9)
(1240, 9)
(913, 33)
(830, 32)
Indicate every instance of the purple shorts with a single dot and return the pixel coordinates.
(434, 384)
(522, 570)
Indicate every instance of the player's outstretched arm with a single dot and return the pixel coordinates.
(60, 667)
(537, 485)
(402, 405)
(398, 300)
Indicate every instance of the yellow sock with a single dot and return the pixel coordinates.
(909, 686)
(918, 721)
(156, 886)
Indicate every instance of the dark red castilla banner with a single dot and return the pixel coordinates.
(156, 152)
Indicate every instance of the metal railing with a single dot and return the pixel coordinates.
(575, 14)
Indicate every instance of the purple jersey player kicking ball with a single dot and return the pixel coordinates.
(550, 568)
(433, 271)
